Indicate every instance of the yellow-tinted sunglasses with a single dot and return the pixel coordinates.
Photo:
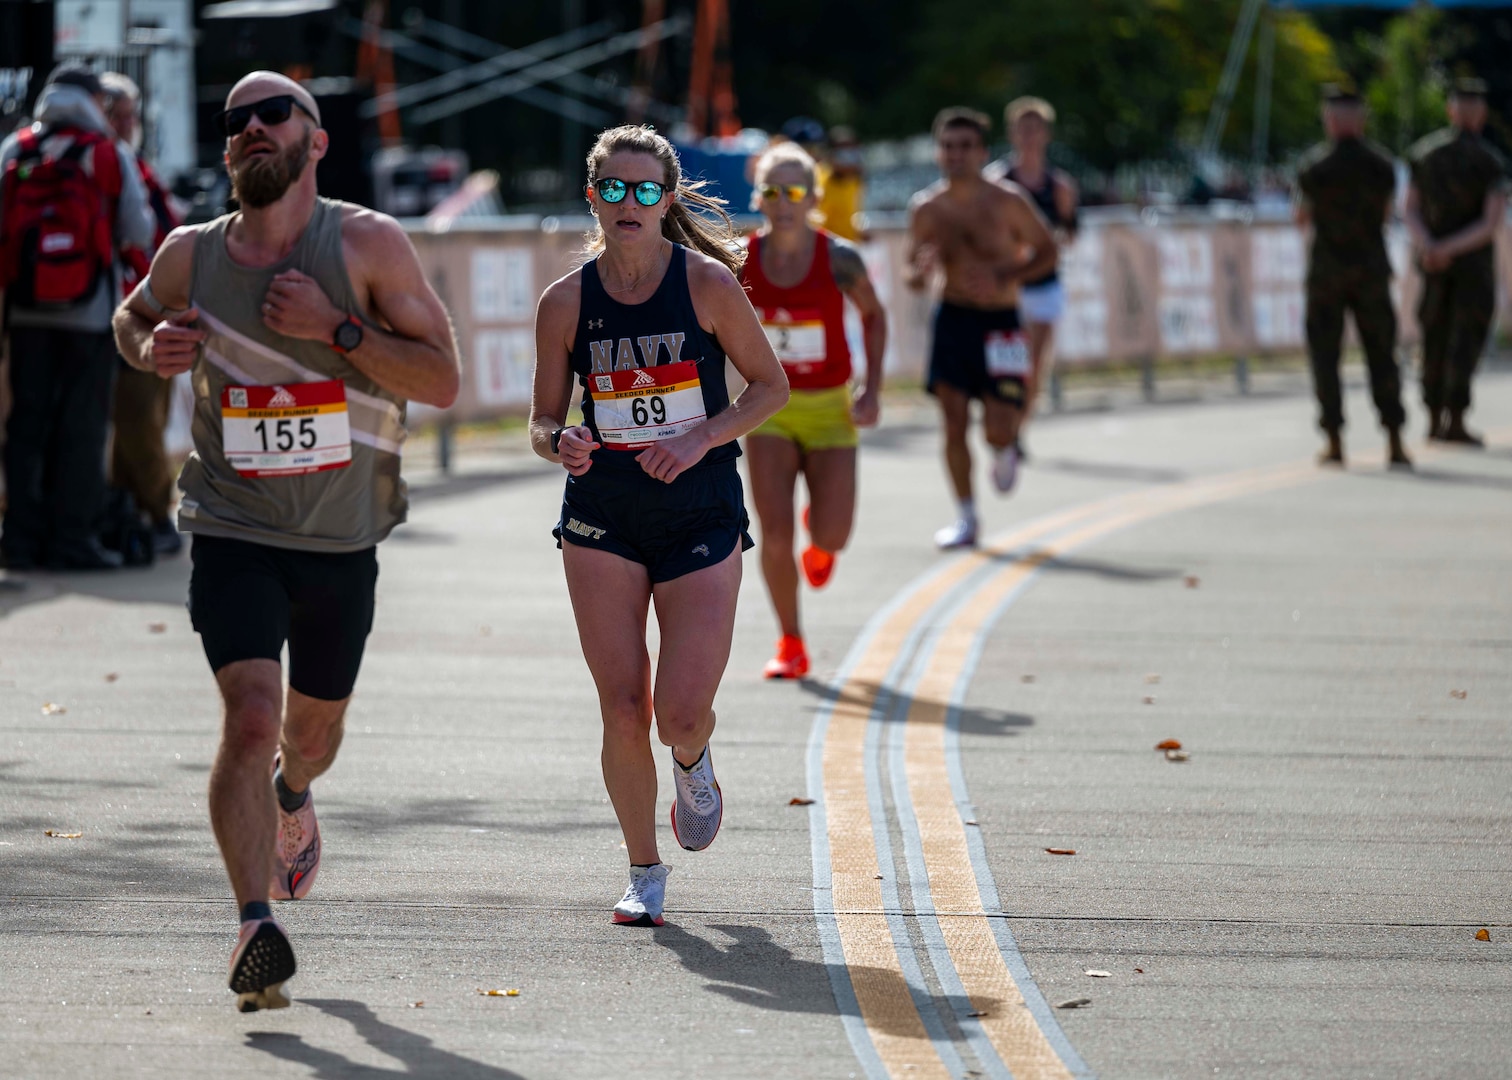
(795, 192)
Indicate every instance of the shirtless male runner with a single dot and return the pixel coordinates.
(987, 238)
(305, 324)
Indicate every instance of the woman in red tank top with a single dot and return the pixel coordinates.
(798, 278)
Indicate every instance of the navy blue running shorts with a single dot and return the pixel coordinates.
(247, 599)
(670, 529)
(959, 356)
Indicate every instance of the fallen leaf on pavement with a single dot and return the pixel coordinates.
(1075, 1003)
(1149, 701)
(499, 993)
(417, 1004)
(1096, 974)
(485, 631)
(1026, 678)
(1191, 581)
(1178, 755)
(62, 835)
(1139, 971)
(1483, 934)
(800, 801)
(1152, 679)
(51, 709)
(971, 822)
(1168, 744)
(1061, 850)
(1460, 694)
(112, 677)
(976, 1013)
(157, 627)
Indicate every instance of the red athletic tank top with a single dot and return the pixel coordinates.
(806, 323)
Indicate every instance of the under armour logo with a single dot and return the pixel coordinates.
(595, 324)
(702, 549)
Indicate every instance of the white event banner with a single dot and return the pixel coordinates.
(503, 284)
(502, 363)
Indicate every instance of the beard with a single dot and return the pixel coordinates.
(259, 182)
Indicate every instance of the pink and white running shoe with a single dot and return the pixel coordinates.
(262, 962)
(296, 855)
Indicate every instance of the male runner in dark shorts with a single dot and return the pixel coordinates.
(987, 238)
(305, 324)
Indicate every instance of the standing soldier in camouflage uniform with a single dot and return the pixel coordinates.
(1345, 187)
(1456, 202)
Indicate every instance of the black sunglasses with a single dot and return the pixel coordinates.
(272, 111)
(613, 190)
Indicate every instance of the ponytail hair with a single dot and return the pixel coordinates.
(694, 220)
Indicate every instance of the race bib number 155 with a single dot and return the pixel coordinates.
(286, 430)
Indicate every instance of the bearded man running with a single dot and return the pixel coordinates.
(305, 324)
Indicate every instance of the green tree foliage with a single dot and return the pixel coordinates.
(1406, 93)
(1131, 78)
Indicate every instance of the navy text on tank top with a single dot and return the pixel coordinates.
(663, 330)
(1044, 198)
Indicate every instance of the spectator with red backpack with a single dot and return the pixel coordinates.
(139, 461)
(70, 197)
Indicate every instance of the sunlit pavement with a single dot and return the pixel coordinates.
(1299, 897)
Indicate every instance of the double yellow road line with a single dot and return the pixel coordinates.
(895, 705)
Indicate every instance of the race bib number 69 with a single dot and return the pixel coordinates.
(286, 430)
(635, 408)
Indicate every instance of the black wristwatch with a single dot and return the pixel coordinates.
(556, 442)
(348, 335)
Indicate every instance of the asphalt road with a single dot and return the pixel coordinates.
(1300, 897)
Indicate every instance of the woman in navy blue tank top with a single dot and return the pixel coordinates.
(653, 512)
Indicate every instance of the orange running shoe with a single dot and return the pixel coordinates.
(818, 565)
(791, 661)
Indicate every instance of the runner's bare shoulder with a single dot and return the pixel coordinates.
(173, 267)
(926, 197)
(374, 237)
(563, 297)
(846, 263)
(711, 282)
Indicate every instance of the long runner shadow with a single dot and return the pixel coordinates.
(422, 1059)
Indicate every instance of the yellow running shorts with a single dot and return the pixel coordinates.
(815, 420)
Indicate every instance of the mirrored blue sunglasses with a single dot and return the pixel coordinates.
(612, 190)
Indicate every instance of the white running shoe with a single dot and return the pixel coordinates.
(699, 807)
(644, 899)
(962, 534)
(296, 858)
(1005, 469)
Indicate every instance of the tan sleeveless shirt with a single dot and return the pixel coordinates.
(337, 510)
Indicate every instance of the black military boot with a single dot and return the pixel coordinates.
(1455, 432)
(1435, 424)
(1396, 457)
(1333, 453)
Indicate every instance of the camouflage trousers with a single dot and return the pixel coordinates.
(1456, 311)
(138, 460)
(1368, 298)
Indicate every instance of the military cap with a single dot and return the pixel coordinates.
(1469, 86)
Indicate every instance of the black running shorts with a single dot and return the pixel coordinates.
(670, 529)
(981, 353)
(246, 600)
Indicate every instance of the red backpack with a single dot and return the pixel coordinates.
(57, 224)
